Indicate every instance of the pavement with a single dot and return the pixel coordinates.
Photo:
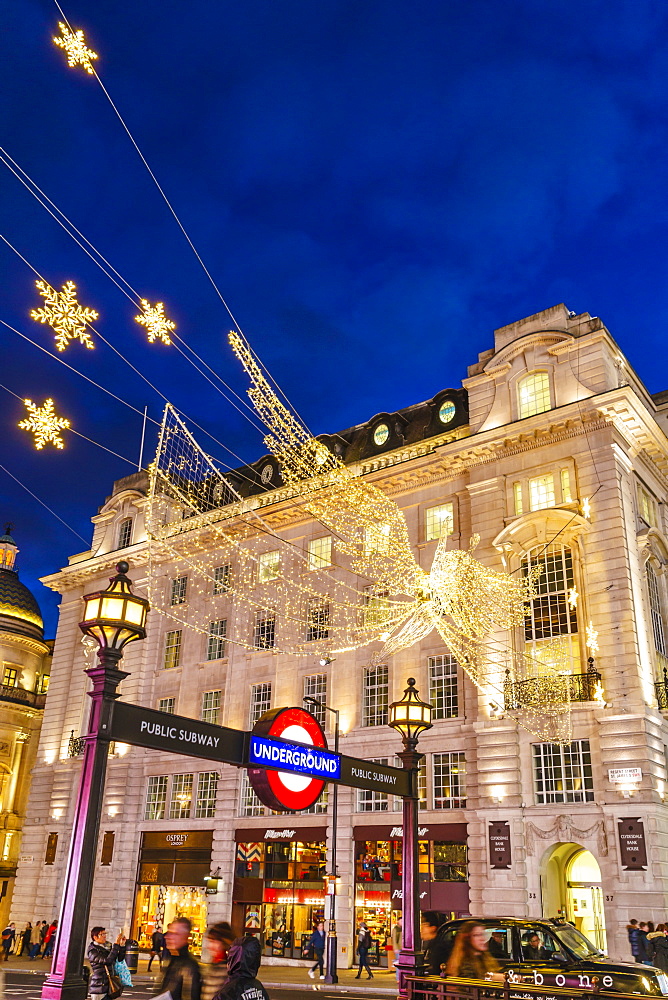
(24, 978)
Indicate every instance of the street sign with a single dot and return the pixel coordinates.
(376, 777)
(297, 758)
(290, 747)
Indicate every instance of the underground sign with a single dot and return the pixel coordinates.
(305, 755)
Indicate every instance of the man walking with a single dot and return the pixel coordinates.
(317, 939)
(364, 942)
(182, 976)
(8, 936)
(157, 947)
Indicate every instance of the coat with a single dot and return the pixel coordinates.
(101, 958)
(657, 945)
(182, 977)
(317, 939)
(243, 963)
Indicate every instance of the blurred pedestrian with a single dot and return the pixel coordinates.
(25, 940)
(182, 976)
(657, 947)
(470, 957)
(243, 963)
(157, 947)
(217, 943)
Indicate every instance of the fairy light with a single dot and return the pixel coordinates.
(158, 327)
(64, 315)
(586, 508)
(44, 424)
(74, 44)
(592, 638)
(573, 598)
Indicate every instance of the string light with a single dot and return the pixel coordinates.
(156, 323)
(586, 508)
(592, 638)
(73, 42)
(64, 315)
(44, 424)
(573, 598)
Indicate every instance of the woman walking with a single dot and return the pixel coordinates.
(470, 957)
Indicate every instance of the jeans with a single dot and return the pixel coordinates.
(364, 960)
(34, 949)
(319, 964)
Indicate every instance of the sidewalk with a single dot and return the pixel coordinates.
(278, 976)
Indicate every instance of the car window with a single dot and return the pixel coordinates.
(538, 944)
(576, 941)
(499, 941)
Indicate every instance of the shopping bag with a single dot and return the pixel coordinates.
(121, 970)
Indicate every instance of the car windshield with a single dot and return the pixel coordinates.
(575, 941)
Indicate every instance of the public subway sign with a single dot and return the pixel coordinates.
(297, 759)
(144, 727)
(288, 759)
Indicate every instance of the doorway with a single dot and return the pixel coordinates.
(572, 889)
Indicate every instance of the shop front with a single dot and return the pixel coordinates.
(443, 873)
(171, 882)
(279, 887)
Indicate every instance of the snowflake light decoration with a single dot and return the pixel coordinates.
(78, 53)
(44, 424)
(64, 315)
(573, 598)
(586, 508)
(592, 638)
(158, 327)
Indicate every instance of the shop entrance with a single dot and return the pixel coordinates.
(571, 888)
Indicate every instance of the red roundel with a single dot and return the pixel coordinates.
(279, 789)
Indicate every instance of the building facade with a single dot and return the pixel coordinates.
(26, 665)
(556, 455)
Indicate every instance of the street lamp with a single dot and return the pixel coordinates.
(410, 717)
(331, 976)
(113, 617)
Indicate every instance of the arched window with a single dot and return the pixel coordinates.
(124, 533)
(656, 611)
(534, 394)
(552, 617)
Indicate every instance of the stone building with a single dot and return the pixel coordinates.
(26, 664)
(556, 455)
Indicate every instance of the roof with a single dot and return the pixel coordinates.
(19, 610)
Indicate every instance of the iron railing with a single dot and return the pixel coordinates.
(661, 688)
(582, 687)
(21, 696)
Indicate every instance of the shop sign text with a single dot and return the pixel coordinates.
(282, 756)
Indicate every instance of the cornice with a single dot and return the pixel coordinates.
(79, 574)
(33, 645)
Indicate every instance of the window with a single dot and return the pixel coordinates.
(44, 683)
(172, 649)
(125, 533)
(156, 797)
(541, 492)
(534, 394)
(260, 701)
(566, 495)
(320, 552)
(375, 696)
(207, 788)
(377, 539)
(550, 615)
(215, 642)
(10, 676)
(210, 711)
(517, 497)
(264, 636)
(318, 619)
(221, 579)
(370, 801)
(449, 780)
(315, 686)
(107, 852)
(397, 802)
(249, 804)
(377, 610)
(268, 566)
(179, 586)
(655, 610)
(646, 507)
(181, 797)
(167, 705)
(51, 848)
(563, 773)
(443, 686)
(439, 522)
(320, 806)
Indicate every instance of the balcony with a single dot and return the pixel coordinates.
(20, 696)
(582, 687)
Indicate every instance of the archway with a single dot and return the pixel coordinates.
(571, 888)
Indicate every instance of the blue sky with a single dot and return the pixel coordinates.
(375, 186)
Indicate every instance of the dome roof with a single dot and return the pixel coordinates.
(19, 611)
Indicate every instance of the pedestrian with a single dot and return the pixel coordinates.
(35, 940)
(182, 977)
(470, 957)
(25, 939)
(317, 939)
(243, 963)
(157, 946)
(8, 936)
(657, 947)
(42, 934)
(101, 957)
(364, 942)
(434, 943)
(217, 943)
(644, 950)
(50, 939)
(396, 939)
(635, 940)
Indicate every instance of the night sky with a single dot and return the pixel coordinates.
(374, 185)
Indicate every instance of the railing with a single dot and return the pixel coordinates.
(21, 696)
(582, 687)
(661, 688)
(515, 988)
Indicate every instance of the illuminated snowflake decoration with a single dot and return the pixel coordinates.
(64, 315)
(573, 598)
(592, 638)
(78, 53)
(158, 327)
(44, 424)
(586, 508)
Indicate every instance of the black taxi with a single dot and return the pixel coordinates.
(554, 953)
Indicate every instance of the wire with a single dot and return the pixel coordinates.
(57, 516)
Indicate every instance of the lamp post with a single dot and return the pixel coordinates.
(331, 975)
(410, 717)
(113, 617)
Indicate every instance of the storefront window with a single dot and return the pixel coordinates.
(158, 905)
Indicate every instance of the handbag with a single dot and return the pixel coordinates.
(115, 985)
(121, 970)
